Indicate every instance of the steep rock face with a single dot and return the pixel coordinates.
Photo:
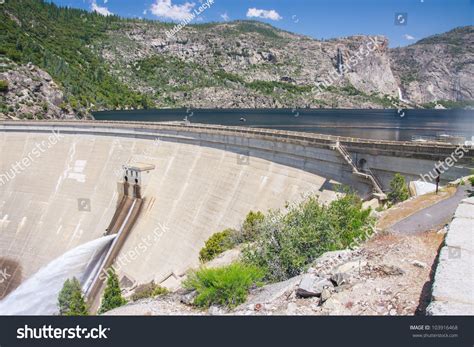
(439, 67)
(247, 64)
(435, 68)
(31, 93)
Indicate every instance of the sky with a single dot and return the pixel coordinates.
(402, 21)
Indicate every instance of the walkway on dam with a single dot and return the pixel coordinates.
(433, 217)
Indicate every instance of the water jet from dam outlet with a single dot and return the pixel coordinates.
(39, 294)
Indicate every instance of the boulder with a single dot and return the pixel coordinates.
(188, 299)
(389, 270)
(351, 265)
(325, 295)
(419, 264)
(271, 292)
(339, 279)
(312, 285)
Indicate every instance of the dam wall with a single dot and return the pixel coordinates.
(207, 178)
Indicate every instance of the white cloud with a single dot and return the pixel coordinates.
(106, 1)
(165, 9)
(225, 16)
(265, 14)
(101, 10)
(408, 37)
(145, 12)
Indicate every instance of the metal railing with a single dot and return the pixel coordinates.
(367, 174)
(284, 134)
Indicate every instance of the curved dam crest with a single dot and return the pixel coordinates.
(206, 179)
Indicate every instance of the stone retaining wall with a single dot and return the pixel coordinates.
(453, 288)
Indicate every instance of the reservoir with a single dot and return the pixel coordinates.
(387, 124)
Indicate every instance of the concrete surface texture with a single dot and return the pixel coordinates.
(68, 195)
(453, 292)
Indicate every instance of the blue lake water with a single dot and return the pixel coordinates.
(372, 124)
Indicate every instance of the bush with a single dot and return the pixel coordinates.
(471, 180)
(3, 86)
(287, 243)
(226, 286)
(71, 301)
(398, 189)
(149, 290)
(217, 244)
(251, 225)
(112, 297)
(78, 305)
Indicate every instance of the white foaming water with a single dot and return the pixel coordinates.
(39, 294)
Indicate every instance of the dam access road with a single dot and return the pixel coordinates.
(206, 179)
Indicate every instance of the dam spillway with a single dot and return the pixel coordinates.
(206, 179)
(39, 294)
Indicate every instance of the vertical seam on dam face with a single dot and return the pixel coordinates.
(183, 205)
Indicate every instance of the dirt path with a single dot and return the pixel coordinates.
(433, 217)
(405, 209)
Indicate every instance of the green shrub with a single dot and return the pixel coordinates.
(78, 305)
(226, 286)
(251, 224)
(112, 297)
(71, 301)
(398, 189)
(149, 290)
(471, 180)
(217, 244)
(287, 243)
(3, 86)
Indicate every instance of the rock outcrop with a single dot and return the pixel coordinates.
(437, 68)
(31, 93)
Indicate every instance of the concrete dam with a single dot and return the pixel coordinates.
(62, 185)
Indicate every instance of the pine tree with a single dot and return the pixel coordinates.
(71, 301)
(112, 295)
(398, 189)
(64, 297)
(78, 305)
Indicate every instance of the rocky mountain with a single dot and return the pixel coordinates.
(436, 68)
(91, 62)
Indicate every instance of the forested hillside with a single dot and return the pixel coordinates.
(57, 40)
